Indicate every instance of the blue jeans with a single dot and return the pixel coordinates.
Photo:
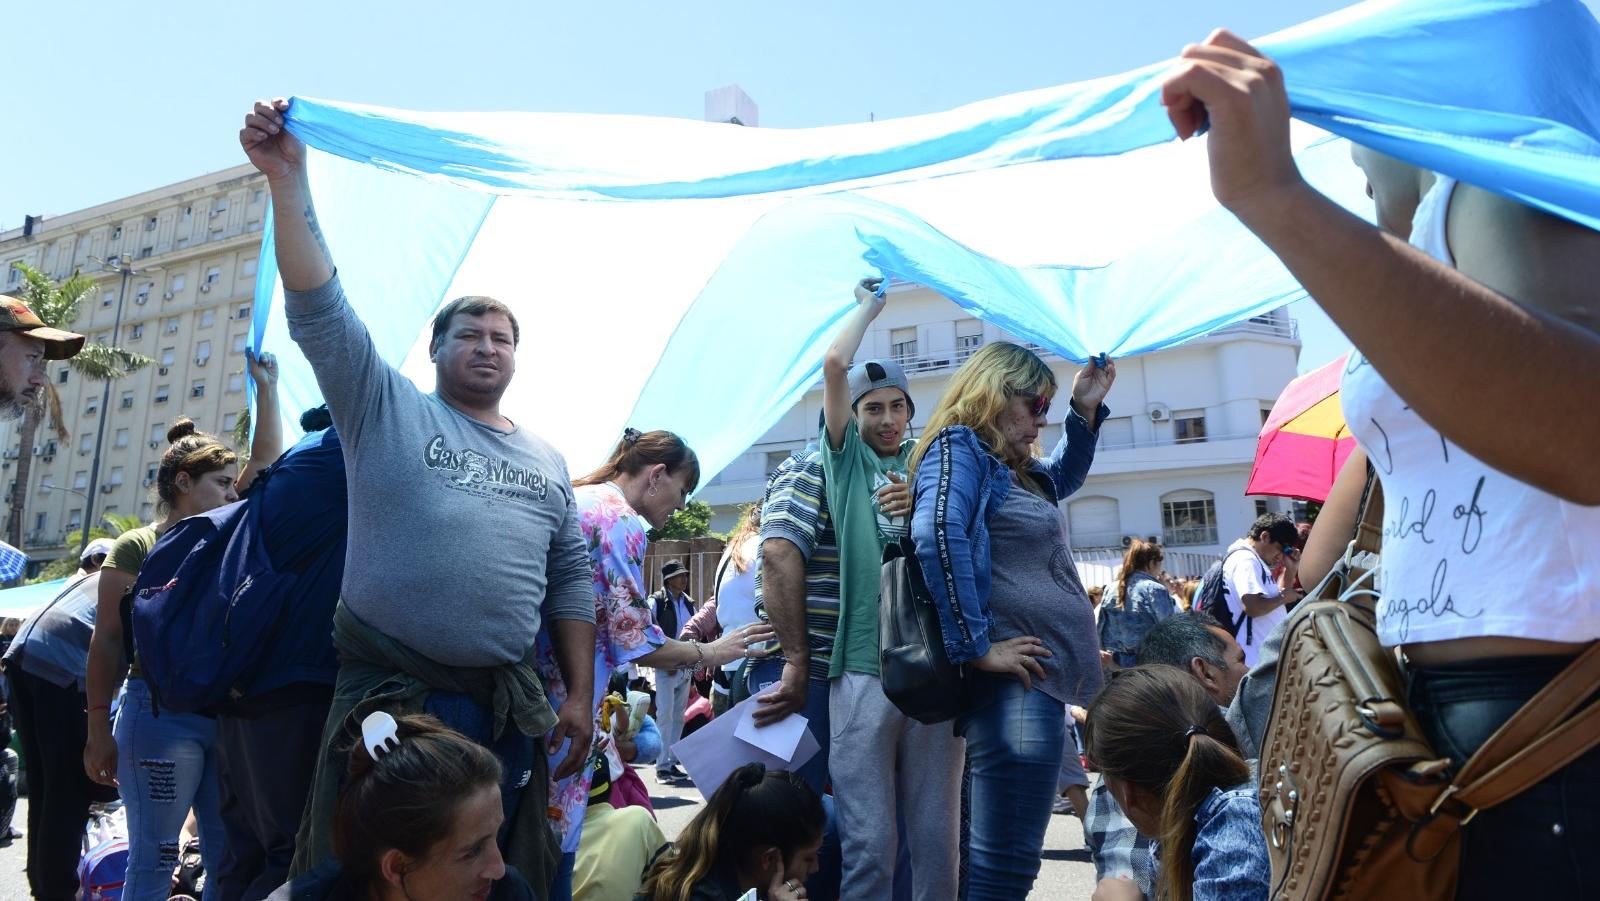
(166, 765)
(1014, 745)
(520, 757)
(1540, 843)
(757, 676)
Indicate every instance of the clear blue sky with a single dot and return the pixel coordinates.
(109, 100)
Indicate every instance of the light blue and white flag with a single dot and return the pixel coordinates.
(689, 275)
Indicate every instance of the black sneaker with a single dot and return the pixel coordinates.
(671, 774)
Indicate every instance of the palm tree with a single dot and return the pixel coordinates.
(112, 526)
(57, 306)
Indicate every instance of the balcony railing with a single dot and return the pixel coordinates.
(1108, 445)
(1263, 325)
(1189, 536)
(1097, 540)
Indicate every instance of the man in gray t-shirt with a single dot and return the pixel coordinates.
(464, 536)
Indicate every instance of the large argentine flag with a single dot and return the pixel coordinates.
(689, 275)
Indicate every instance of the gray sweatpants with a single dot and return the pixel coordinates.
(880, 757)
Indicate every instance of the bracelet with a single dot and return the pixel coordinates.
(700, 654)
(105, 707)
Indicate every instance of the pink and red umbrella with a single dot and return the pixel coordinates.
(1305, 440)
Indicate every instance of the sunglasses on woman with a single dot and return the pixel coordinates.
(1039, 405)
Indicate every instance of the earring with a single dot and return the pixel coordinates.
(651, 492)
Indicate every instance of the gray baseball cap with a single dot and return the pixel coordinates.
(874, 374)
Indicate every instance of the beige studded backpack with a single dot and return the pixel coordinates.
(1354, 801)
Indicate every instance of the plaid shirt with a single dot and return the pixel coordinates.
(12, 562)
(1118, 848)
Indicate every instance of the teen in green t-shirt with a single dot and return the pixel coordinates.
(880, 761)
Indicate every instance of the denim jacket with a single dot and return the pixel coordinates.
(959, 484)
(1230, 850)
(1124, 626)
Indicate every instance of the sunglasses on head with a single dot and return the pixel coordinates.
(1039, 405)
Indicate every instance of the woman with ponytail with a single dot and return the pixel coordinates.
(416, 820)
(649, 475)
(168, 764)
(1134, 603)
(1172, 763)
(760, 830)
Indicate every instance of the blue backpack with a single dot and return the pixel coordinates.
(209, 601)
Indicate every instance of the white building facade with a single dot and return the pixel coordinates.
(1174, 456)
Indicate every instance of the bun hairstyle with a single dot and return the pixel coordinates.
(407, 798)
(638, 451)
(1155, 727)
(753, 810)
(193, 452)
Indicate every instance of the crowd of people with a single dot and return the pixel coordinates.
(444, 708)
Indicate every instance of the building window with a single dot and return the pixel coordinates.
(116, 232)
(116, 476)
(170, 326)
(229, 421)
(188, 215)
(169, 355)
(135, 332)
(1116, 433)
(208, 318)
(150, 224)
(178, 283)
(1188, 517)
(61, 377)
(969, 337)
(150, 473)
(1266, 413)
(1095, 522)
(145, 252)
(183, 242)
(255, 196)
(1261, 508)
(243, 312)
(85, 443)
(122, 438)
(143, 294)
(220, 207)
(239, 343)
(40, 521)
(127, 400)
(46, 485)
(1189, 426)
(198, 389)
(236, 383)
(248, 267)
(903, 345)
(158, 436)
(107, 299)
(162, 392)
(80, 479)
(254, 225)
(202, 353)
(75, 519)
(213, 275)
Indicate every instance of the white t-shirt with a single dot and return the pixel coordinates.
(736, 594)
(1468, 551)
(1245, 573)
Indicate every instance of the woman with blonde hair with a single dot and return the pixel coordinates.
(1135, 602)
(993, 547)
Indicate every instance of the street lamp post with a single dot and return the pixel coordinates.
(49, 488)
(124, 266)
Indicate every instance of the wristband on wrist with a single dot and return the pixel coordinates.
(105, 707)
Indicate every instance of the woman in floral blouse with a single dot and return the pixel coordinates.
(649, 476)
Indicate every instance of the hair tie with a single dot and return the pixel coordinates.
(378, 730)
(631, 435)
(751, 775)
(1193, 731)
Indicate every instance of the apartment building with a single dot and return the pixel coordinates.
(194, 246)
(1173, 458)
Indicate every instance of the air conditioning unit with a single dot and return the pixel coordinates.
(1159, 413)
(143, 299)
(107, 489)
(215, 214)
(1152, 539)
(161, 371)
(166, 295)
(205, 289)
(48, 458)
(148, 482)
(201, 361)
(1127, 540)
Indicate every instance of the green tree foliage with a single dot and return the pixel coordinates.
(693, 521)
